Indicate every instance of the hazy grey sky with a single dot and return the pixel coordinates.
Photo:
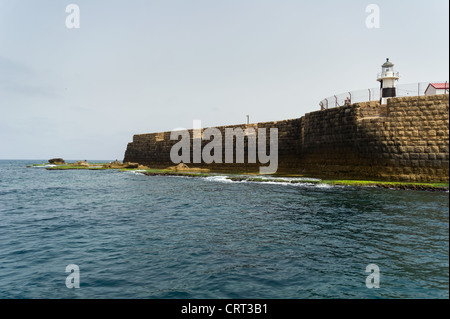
(149, 66)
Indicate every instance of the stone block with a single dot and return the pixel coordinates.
(414, 163)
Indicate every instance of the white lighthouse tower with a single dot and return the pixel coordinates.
(387, 79)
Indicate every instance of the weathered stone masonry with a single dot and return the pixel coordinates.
(405, 140)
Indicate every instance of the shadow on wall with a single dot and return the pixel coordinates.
(405, 140)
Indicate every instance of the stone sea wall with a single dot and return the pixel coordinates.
(405, 140)
(153, 150)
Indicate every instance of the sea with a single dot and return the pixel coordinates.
(79, 234)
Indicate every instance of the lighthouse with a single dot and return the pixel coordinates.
(387, 79)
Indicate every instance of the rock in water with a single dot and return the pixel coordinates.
(81, 163)
(57, 161)
(184, 168)
(131, 165)
(181, 167)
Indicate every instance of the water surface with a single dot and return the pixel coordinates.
(136, 236)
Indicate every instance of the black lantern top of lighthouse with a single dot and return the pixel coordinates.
(387, 64)
(387, 71)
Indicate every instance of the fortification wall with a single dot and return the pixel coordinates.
(412, 142)
(154, 149)
(405, 140)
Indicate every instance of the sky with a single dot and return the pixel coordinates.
(143, 66)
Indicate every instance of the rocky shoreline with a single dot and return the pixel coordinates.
(438, 187)
(185, 171)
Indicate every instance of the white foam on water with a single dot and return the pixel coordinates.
(135, 172)
(44, 166)
(282, 181)
(324, 186)
(299, 182)
(289, 179)
(275, 183)
(219, 178)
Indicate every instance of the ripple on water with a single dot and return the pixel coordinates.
(136, 236)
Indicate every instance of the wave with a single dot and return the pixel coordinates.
(43, 166)
(283, 181)
(221, 178)
(136, 172)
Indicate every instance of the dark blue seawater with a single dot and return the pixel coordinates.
(136, 236)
